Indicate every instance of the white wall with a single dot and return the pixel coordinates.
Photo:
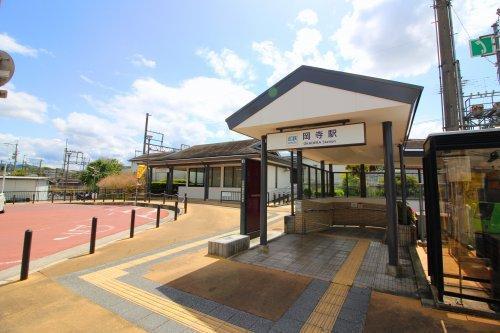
(24, 187)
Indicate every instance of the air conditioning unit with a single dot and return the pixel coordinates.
(477, 110)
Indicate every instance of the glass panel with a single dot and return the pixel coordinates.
(228, 176)
(237, 177)
(196, 177)
(214, 177)
(375, 185)
(469, 202)
(338, 180)
(353, 181)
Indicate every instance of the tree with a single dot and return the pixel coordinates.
(98, 169)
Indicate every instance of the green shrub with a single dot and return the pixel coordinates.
(411, 217)
(307, 193)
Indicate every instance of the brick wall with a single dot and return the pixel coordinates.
(317, 215)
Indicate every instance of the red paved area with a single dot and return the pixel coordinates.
(58, 227)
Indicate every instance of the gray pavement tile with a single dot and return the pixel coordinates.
(262, 325)
(151, 322)
(131, 312)
(287, 326)
(343, 326)
(243, 319)
(223, 312)
(171, 327)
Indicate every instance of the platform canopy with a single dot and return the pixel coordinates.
(311, 97)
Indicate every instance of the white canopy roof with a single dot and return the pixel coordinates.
(312, 96)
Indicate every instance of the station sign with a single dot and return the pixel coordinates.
(343, 135)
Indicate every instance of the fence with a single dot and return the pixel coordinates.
(86, 196)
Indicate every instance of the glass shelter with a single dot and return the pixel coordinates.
(462, 193)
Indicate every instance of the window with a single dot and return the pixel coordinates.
(232, 177)
(214, 177)
(196, 177)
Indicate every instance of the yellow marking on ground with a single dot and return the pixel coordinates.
(347, 273)
(327, 310)
(107, 279)
(324, 315)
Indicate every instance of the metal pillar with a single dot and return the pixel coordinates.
(390, 200)
(263, 191)
(300, 174)
(244, 197)
(206, 175)
(170, 180)
(362, 181)
(402, 171)
(331, 189)
(292, 190)
(322, 163)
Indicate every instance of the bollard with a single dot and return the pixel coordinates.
(25, 263)
(70, 197)
(13, 199)
(132, 223)
(185, 203)
(113, 196)
(176, 209)
(93, 233)
(33, 201)
(52, 200)
(94, 195)
(158, 216)
(274, 199)
(104, 195)
(124, 193)
(163, 197)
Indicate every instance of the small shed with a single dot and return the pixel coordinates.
(24, 187)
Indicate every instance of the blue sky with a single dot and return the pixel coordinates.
(88, 71)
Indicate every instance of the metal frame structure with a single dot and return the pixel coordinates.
(433, 144)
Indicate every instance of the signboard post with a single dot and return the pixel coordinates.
(483, 46)
(344, 135)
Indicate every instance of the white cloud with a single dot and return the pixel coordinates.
(140, 61)
(97, 83)
(305, 51)
(388, 38)
(228, 64)
(10, 45)
(476, 16)
(50, 150)
(19, 104)
(191, 113)
(307, 16)
(421, 129)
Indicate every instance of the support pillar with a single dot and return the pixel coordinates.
(331, 189)
(244, 197)
(393, 267)
(323, 194)
(263, 191)
(205, 183)
(362, 181)
(402, 170)
(292, 190)
(170, 180)
(300, 176)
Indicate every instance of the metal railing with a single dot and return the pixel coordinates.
(230, 196)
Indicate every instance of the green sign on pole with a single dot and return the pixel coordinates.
(482, 46)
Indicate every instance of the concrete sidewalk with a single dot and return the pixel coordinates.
(41, 302)
(163, 281)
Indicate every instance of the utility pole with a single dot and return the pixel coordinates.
(16, 152)
(497, 39)
(145, 134)
(449, 67)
